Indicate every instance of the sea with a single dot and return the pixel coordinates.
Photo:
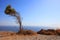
(16, 28)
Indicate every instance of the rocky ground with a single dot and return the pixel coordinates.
(29, 37)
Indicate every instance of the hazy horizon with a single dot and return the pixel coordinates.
(33, 13)
(16, 28)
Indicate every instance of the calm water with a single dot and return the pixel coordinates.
(16, 29)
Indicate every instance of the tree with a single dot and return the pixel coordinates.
(10, 11)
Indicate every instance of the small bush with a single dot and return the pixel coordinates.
(27, 32)
(58, 31)
(48, 32)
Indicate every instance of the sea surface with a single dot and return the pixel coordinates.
(16, 28)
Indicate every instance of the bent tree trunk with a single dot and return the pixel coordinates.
(19, 21)
(20, 24)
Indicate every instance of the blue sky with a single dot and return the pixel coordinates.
(33, 12)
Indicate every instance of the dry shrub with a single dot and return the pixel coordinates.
(31, 32)
(47, 32)
(27, 32)
(58, 31)
(41, 31)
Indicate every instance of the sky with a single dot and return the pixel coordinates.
(33, 12)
